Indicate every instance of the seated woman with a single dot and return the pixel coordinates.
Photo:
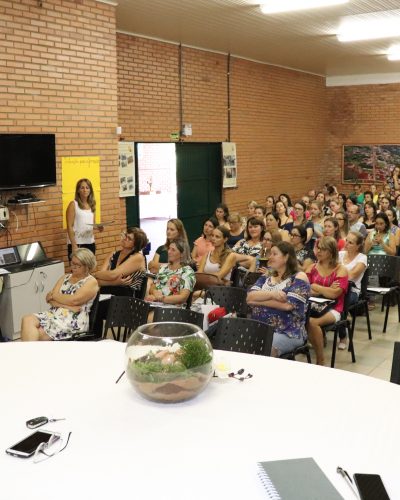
(328, 279)
(70, 302)
(272, 224)
(123, 270)
(343, 220)
(301, 220)
(260, 212)
(370, 212)
(222, 214)
(280, 299)
(203, 245)
(305, 257)
(380, 241)
(394, 225)
(221, 260)
(270, 239)
(317, 218)
(174, 281)
(331, 228)
(236, 232)
(248, 248)
(356, 263)
(175, 230)
(285, 220)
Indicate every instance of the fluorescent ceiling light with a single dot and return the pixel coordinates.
(394, 53)
(385, 24)
(272, 6)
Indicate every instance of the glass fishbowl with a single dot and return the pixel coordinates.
(169, 362)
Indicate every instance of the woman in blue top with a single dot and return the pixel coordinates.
(280, 299)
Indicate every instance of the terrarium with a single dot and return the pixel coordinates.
(169, 362)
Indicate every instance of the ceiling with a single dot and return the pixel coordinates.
(303, 40)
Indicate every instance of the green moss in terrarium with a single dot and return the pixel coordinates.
(194, 352)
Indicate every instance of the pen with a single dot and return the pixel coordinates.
(119, 378)
(348, 480)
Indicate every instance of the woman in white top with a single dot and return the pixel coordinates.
(80, 218)
(221, 260)
(355, 261)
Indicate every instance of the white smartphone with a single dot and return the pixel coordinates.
(27, 447)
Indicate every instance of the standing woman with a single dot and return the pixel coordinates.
(221, 260)
(175, 230)
(380, 241)
(80, 218)
(203, 245)
(328, 279)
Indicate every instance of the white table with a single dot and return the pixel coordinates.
(123, 446)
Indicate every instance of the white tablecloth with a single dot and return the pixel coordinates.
(123, 446)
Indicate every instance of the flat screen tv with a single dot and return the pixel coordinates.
(27, 160)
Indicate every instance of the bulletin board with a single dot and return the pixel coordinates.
(74, 168)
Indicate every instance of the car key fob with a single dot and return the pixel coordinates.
(36, 422)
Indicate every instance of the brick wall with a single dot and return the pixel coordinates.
(58, 75)
(278, 116)
(360, 114)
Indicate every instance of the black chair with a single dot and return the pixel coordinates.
(232, 298)
(395, 375)
(243, 335)
(343, 323)
(92, 333)
(361, 304)
(174, 314)
(387, 268)
(141, 293)
(125, 314)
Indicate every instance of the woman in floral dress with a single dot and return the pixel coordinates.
(280, 299)
(70, 302)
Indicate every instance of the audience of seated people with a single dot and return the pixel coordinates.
(335, 230)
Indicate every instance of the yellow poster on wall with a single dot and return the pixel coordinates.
(74, 168)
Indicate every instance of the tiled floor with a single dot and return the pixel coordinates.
(373, 357)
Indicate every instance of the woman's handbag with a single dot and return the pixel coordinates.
(319, 306)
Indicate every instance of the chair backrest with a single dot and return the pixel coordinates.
(92, 317)
(395, 375)
(205, 280)
(230, 297)
(243, 335)
(384, 266)
(162, 314)
(250, 279)
(125, 314)
(364, 284)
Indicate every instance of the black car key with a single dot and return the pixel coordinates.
(39, 421)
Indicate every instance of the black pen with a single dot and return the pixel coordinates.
(119, 378)
(347, 478)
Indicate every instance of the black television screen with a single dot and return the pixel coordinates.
(27, 160)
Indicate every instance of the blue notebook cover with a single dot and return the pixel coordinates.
(296, 479)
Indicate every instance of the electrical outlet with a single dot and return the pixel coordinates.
(4, 215)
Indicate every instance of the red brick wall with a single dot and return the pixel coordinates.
(58, 75)
(360, 114)
(278, 116)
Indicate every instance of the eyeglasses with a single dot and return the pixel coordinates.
(125, 236)
(41, 455)
(294, 235)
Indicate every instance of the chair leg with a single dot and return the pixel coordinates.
(351, 344)
(353, 322)
(308, 356)
(388, 297)
(333, 357)
(368, 322)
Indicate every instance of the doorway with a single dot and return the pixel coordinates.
(181, 180)
(157, 190)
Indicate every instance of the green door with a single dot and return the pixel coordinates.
(132, 202)
(199, 184)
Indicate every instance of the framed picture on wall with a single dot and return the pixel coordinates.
(369, 163)
(229, 165)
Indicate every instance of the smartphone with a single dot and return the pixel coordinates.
(27, 447)
(370, 487)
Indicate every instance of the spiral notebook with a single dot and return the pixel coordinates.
(296, 479)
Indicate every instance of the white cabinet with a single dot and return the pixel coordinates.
(25, 293)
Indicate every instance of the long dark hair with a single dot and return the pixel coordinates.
(385, 219)
(225, 209)
(254, 221)
(373, 206)
(213, 221)
(226, 250)
(292, 265)
(140, 238)
(335, 225)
